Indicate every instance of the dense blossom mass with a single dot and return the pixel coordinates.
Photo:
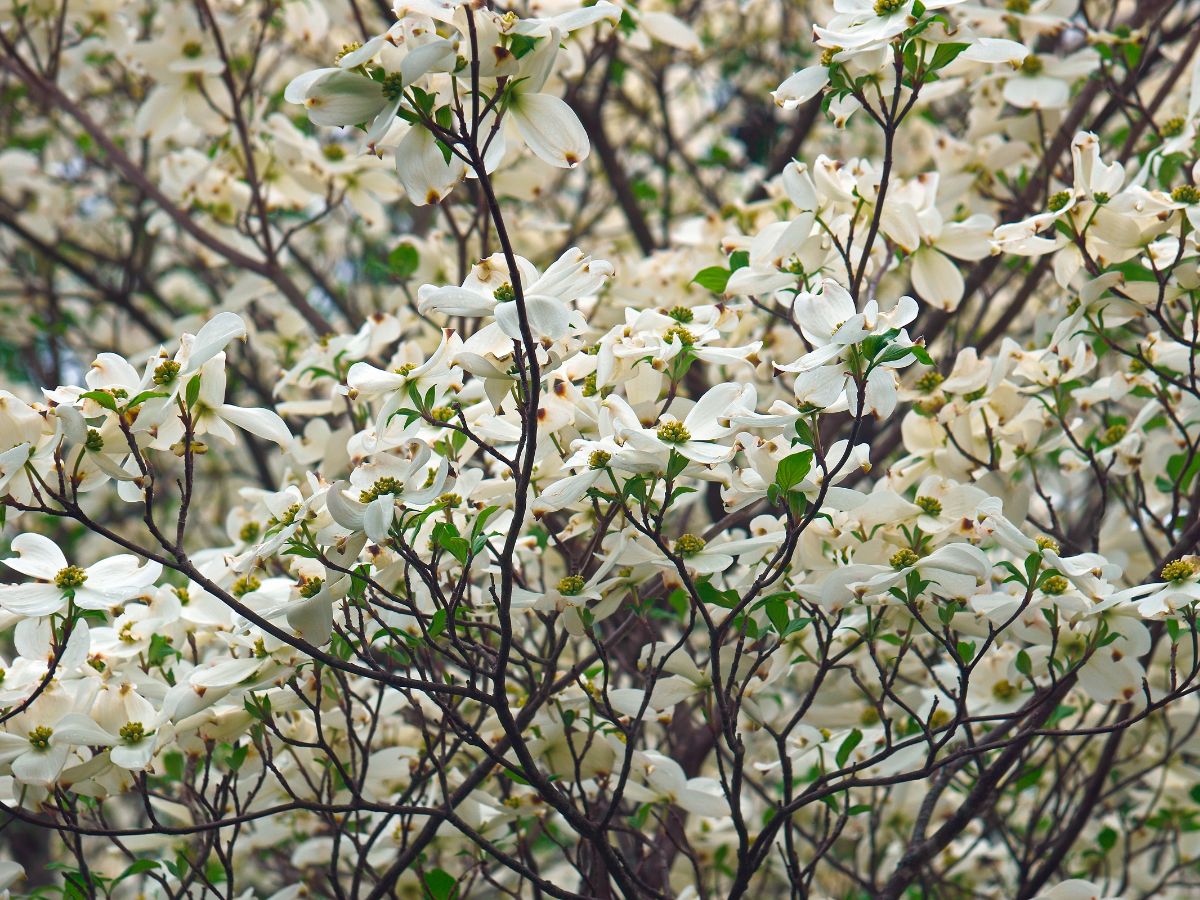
(600, 449)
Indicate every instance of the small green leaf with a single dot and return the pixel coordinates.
(437, 624)
(945, 54)
(521, 44)
(777, 612)
(853, 739)
(1024, 664)
(1107, 838)
(714, 278)
(793, 469)
(143, 397)
(446, 536)
(403, 261)
(137, 867)
(676, 464)
(160, 650)
(104, 398)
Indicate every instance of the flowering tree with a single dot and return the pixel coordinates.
(609, 452)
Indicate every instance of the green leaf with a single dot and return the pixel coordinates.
(437, 624)
(714, 278)
(1107, 838)
(424, 101)
(945, 54)
(804, 432)
(161, 650)
(521, 44)
(921, 354)
(739, 259)
(173, 765)
(853, 739)
(793, 469)
(192, 394)
(1029, 778)
(104, 398)
(709, 594)
(447, 153)
(440, 885)
(143, 397)
(777, 612)
(676, 464)
(403, 261)
(137, 867)
(636, 488)
(446, 536)
(1024, 664)
(234, 757)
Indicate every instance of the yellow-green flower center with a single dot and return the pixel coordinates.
(1186, 193)
(1058, 201)
(245, 585)
(1173, 127)
(680, 335)
(673, 433)
(689, 544)
(1032, 64)
(930, 505)
(166, 371)
(70, 578)
(571, 585)
(310, 586)
(132, 732)
(385, 485)
(599, 459)
(393, 86)
(1055, 585)
(1178, 570)
(1004, 689)
(39, 738)
(904, 558)
(346, 49)
(929, 382)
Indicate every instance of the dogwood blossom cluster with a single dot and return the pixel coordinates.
(449, 498)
